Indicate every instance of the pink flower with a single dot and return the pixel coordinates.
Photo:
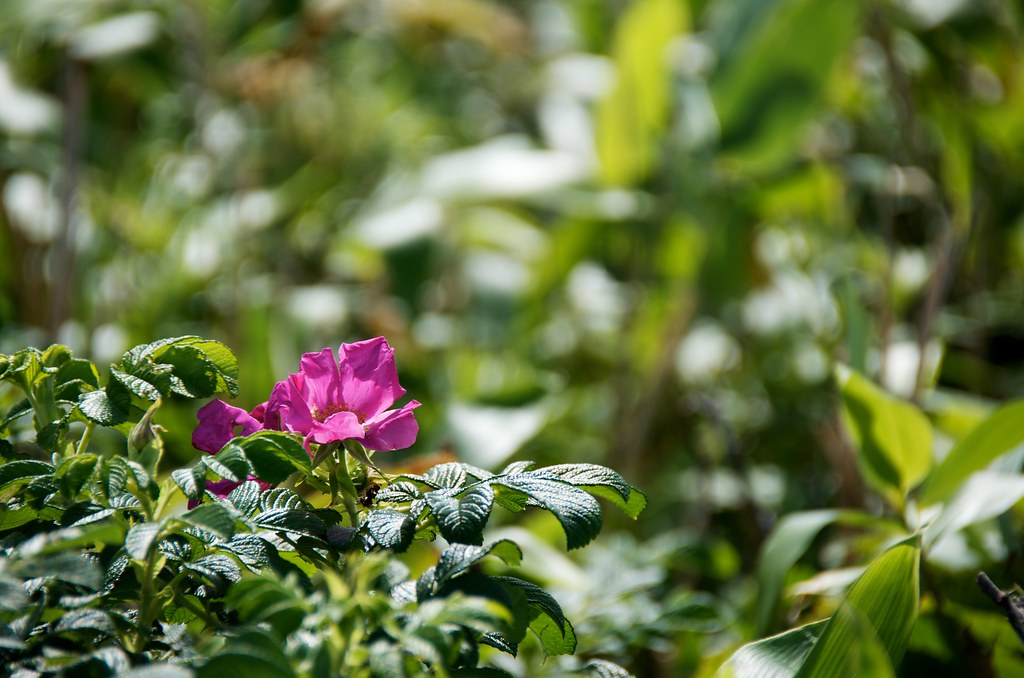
(220, 422)
(331, 400)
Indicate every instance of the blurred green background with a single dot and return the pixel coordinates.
(633, 233)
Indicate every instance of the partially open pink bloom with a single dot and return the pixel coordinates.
(220, 422)
(331, 400)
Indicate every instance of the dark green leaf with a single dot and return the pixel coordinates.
(75, 473)
(19, 471)
(274, 455)
(446, 475)
(74, 378)
(458, 558)
(50, 436)
(462, 519)
(246, 497)
(108, 406)
(192, 480)
(297, 521)
(212, 517)
(536, 597)
(250, 549)
(230, 463)
(399, 493)
(576, 510)
(20, 409)
(390, 529)
(140, 540)
(602, 482)
(281, 498)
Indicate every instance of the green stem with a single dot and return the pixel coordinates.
(83, 444)
(348, 489)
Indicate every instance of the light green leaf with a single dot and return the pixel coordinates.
(635, 112)
(555, 638)
(994, 437)
(786, 545)
(192, 480)
(893, 436)
(140, 540)
(779, 656)
(882, 604)
(274, 455)
(985, 495)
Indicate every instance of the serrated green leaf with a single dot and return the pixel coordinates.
(451, 475)
(250, 549)
(462, 519)
(192, 481)
(882, 604)
(203, 366)
(602, 482)
(602, 668)
(297, 521)
(50, 436)
(554, 638)
(281, 498)
(894, 438)
(108, 406)
(20, 471)
(140, 386)
(230, 463)
(212, 517)
(140, 540)
(400, 492)
(23, 368)
(390, 529)
(75, 473)
(20, 409)
(246, 497)
(217, 569)
(536, 597)
(458, 558)
(577, 511)
(779, 656)
(274, 455)
(89, 618)
(992, 438)
(74, 378)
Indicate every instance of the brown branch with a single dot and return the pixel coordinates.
(1009, 603)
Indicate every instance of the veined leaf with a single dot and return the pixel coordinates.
(17, 471)
(776, 657)
(578, 512)
(212, 517)
(140, 540)
(107, 406)
(893, 436)
(390, 529)
(995, 436)
(882, 604)
(555, 638)
(192, 480)
(296, 521)
(462, 519)
(230, 463)
(458, 558)
(274, 455)
(602, 482)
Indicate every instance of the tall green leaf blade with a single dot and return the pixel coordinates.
(995, 436)
(893, 436)
(779, 656)
(882, 604)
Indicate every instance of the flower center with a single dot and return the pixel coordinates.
(322, 415)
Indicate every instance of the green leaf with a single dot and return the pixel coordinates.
(536, 597)
(296, 521)
(578, 512)
(462, 519)
(212, 517)
(390, 529)
(140, 540)
(882, 604)
(994, 437)
(24, 368)
(75, 473)
(230, 463)
(274, 455)
(631, 117)
(602, 482)
(779, 656)
(11, 518)
(399, 493)
(281, 498)
(451, 475)
(50, 436)
(602, 668)
(246, 497)
(203, 366)
(458, 558)
(893, 436)
(19, 471)
(984, 495)
(108, 406)
(555, 638)
(75, 377)
(192, 481)
(784, 547)
(22, 408)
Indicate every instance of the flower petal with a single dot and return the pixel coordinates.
(217, 424)
(369, 379)
(321, 379)
(286, 409)
(337, 427)
(392, 430)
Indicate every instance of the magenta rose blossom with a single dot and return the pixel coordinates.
(219, 423)
(330, 400)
